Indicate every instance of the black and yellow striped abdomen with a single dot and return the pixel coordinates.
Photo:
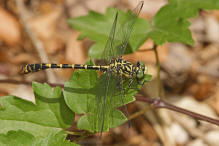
(116, 66)
(29, 68)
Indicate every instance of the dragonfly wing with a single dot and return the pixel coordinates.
(108, 98)
(126, 28)
(122, 96)
(103, 101)
(108, 52)
(108, 82)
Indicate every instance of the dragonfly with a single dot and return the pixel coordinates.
(115, 69)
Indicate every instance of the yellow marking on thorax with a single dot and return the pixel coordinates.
(85, 66)
(73, 66)
(60, 65)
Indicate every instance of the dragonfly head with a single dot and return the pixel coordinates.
(141, 70)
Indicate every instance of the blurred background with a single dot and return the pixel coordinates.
(35, 31)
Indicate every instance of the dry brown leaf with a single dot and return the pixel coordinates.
(99, 5)
(76, 8)
(53, 45)
(146, 53)
(10, 31)
(74, 49)
(212, 29)
(45, 7)
(3, 55)
(23, 57)
(4, 69)
(202, 88)
(214, 13)
(150, 7)
(214, 102)
(208, 53)
(44, 25)
(45, 28)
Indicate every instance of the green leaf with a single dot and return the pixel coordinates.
(22, 138)
(147, 77)
(97, 27)
(18, 138)
(79, 89)
(84, 95)
(171, 23)
(86, 122)
(55, 139)
(49, 114)
(51, 101)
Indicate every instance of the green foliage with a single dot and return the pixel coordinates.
(38, 123)
(22, 138)
(170, 24)
(51, 103)
(19, 137)
(54, 139)
(97, 27)
(86, 91)
(79, 89)
(50, 114)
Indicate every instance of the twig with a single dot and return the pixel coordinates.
(159, 103)
(155, 102)
(36, 42)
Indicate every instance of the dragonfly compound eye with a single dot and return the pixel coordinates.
(140, 74)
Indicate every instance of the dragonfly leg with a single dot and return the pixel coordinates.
(130, 82)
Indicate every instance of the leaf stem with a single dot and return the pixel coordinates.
(158, 70)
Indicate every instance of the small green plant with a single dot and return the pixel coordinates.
(46, 121)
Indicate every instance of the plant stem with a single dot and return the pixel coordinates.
(159, 103)
(158, 70)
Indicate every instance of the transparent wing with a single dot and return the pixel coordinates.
(108, 52)
(103, 95)
(108, 83)
(118, 38)
(122, 97)
(106, 87)
(125, 29)
(109, 97)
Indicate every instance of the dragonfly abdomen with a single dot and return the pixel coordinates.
(29, 68)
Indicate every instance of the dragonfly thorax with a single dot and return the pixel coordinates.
(127, 69)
